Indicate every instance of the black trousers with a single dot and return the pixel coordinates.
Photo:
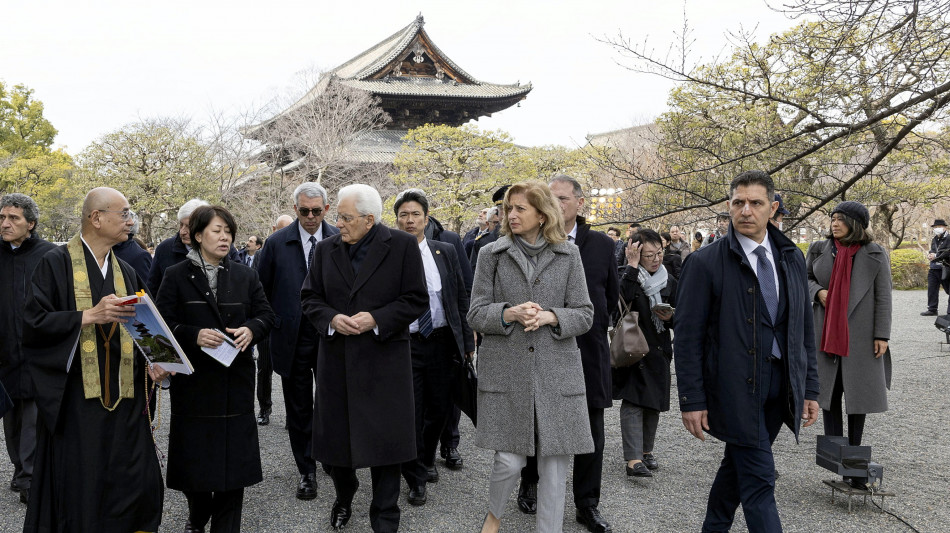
(222, 508)
(19, 431)
(934, 284)
(431, 383)
(384, 509)
(299, 397)
(833, 420)
(450, 433)
(588, 467)
(265, 375)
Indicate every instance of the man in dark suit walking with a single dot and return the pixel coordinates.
(283, 264)
(251, 248)
(436, 338)
(600, 271)
(365, 288)
(745, 352)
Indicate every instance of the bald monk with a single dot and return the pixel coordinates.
(96, 468)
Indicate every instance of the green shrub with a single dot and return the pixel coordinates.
(909, 269)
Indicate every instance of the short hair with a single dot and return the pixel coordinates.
(564, 178)
(310, 190)
(858, 234)
(634, 225)
(366, 199)
(611, 228)
(493, 211)
(412, 195)
(753, 177)
(186, 210)
(666, 235)
(257, 240)
(539, 196)
(136, 224)
(31, 212)
(647, 235)
(203, 215)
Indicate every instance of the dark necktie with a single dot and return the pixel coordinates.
(425, 323)
(769, 291)
(313, 246)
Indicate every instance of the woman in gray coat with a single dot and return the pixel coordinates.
(529, 301)
(849, 280)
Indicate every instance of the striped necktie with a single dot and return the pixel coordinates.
(769, 292)
(425, 323)
(313, 246)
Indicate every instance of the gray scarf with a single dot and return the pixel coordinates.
(652, 285)
(531, 251)
(210, 271)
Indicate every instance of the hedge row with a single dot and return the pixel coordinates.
(908, 267)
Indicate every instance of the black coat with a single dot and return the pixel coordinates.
(454, 296)
(940, 247)
(597, 255)
(16, 271)
(482, 242)
(133, 254)
(720, 365)
(434, 230)
(647, 383)
(282, 268)
(364, 414)
(212, 439)
(673, 262)
(170, 252)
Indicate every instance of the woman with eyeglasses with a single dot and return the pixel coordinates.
(644, 388)
(208, 300)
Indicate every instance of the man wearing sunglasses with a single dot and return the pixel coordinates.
(283, 264)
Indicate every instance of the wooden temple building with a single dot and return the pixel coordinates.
(416, 84)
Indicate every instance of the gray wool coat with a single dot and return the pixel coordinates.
(865, 378)
(522, 373)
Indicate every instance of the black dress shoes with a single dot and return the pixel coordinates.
(639, 470)
(650, 460)
(307, 489)
(590, 518)
(432, 474)
(929, 313)
(339, 515)
(264, 418)
(417, 495)
(25, 496)
(528, 498)
(453, 461)
(192, 529)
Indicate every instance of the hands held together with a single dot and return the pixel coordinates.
(530, 315)
(353, 325)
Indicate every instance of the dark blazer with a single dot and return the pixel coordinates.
(170, 252)
(469, 240)
(482, 242)
(597, 255)
(133, 254)
(940, 247)
(647, 383)
(719, 364)
(434, 230)
(282, 268)
(454, 297)
(212, 439)
(363, 414)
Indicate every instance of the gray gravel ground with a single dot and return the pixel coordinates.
(909, 440)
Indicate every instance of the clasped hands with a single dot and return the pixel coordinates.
(530, 315)
(353, 325)
(209, 338)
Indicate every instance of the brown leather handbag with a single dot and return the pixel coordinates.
(628, 345)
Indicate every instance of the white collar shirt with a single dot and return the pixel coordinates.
(305, 239)
(749, 246)
(434, 286)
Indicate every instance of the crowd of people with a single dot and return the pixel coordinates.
(368, 327)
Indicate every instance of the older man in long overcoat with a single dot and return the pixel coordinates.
(365, 287)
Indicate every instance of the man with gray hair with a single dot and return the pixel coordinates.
(20, 251)
(283, 264)
(365, 288)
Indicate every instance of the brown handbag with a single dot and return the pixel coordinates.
(628, 345)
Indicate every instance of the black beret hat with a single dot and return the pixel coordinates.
(855, 211)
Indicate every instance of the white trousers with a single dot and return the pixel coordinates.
(552, 484)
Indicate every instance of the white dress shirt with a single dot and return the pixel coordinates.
(305, 239)
(434, 286)
(749, 246)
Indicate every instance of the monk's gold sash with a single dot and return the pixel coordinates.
(89, 353)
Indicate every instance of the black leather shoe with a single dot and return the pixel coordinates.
(929, 313)
(528, 498)
(639, 470)
(192, 529)
(591, 519)
(14, 488)
(307, 489)
(339, 515)
(650, 460)
(432, 474)
(453, 461)
(264, 418)
(25, 496)
(417, 495)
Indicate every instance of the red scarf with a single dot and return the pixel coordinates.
(834, 332)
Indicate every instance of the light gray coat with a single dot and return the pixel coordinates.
(522, 373)
(865, 378)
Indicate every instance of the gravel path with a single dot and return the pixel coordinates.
(909, 440)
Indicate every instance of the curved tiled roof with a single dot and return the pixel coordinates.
(411, 87)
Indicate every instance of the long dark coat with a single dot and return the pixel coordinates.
(212, 439)
(282, 268)
(864, 377)
(364, 414)
(647, 383)
(600, 272)
(16, 271)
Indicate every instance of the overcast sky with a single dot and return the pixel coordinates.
(102, 64)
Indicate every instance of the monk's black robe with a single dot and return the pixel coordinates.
(96, 470)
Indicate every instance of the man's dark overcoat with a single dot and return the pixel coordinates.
(719, 364)
(454, 296)
(212, 440)
(600, 271)
(133, 254)
(364, 413)
(435, 231)
(282, 268)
